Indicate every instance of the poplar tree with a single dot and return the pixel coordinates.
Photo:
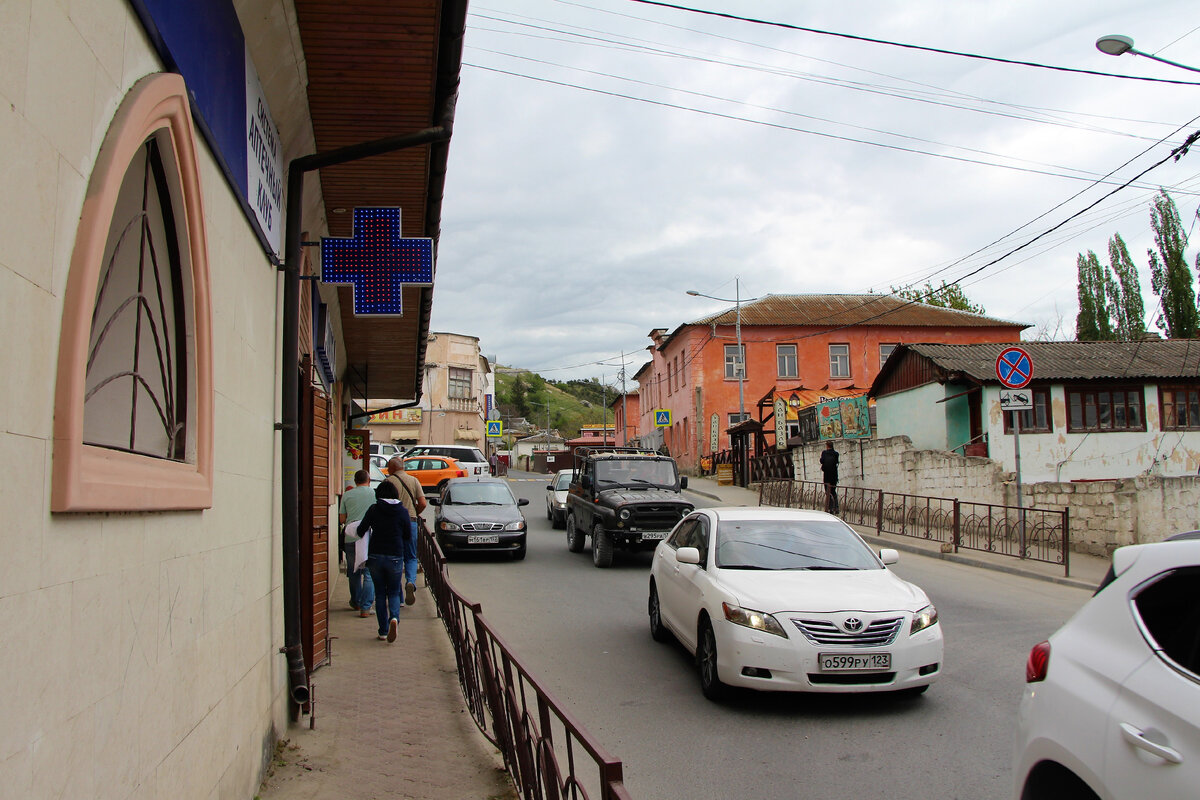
(1092, 323)
(1170, 277)
(1128, 311)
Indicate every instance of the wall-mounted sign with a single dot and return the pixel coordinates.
(400, 416)
(714, 433)
(377, 261)
(662, 417)
(202, 40)
(844, 418)
(781, 409)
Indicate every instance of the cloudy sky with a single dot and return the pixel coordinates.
(609, 155)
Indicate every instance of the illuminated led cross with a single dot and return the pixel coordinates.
(377, 262)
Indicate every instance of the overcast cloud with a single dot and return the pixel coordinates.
(575, 220)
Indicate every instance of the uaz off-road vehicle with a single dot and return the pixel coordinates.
(625, 499)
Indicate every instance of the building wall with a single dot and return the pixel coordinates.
(699, 387)
(140, 648)
(453, 420)
(915, 414)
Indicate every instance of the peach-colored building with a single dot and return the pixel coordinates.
(789, 341)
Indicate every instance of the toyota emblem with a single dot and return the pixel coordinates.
(853, 625)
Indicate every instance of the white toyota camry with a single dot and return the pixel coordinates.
(788, 600)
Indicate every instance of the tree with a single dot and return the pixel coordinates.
(1092, 322)
(517, 397)
(1128, 311)
(1170, 277)
(948, 295)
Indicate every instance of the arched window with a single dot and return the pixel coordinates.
(133, 415)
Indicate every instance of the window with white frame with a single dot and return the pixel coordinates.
(839, 361)
(460, 383)
(885, 350)
(785, 357)
(735, 362)
(737, 417)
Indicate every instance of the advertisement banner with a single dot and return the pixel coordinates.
(844, 418)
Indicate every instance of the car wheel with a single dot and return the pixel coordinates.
(549, 515)
(574, 535)
(602, 547)
(558, 522)
(706, 660)
(657, 632)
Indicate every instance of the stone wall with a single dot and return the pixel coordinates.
(1104, 514)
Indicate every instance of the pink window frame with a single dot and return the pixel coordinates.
(89, 478)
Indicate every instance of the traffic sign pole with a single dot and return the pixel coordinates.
(1014, 369)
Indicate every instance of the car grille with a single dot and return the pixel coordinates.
(654, 517)
(876, 634)
(483, 526)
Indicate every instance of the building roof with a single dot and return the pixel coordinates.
(1059, 361)
(836, 310)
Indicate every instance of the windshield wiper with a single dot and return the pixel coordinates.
(828, 569)
(745, 566)
(482, 503)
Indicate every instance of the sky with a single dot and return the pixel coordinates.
(610, 155)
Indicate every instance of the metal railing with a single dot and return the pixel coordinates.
(546, 750)
(1036, 534)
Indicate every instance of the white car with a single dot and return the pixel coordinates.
(556, 498)
(787, 600)
(469, 458)
(1112, 701)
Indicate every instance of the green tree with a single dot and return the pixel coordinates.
(1128, 311)
(1095, 290)
(1170, 277)
(948, 295)
(518, 398)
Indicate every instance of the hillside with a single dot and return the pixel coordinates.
(572, 403)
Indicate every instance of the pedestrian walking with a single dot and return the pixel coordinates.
(829, 469)
(387, 551)
(354, 504)
(412, 497)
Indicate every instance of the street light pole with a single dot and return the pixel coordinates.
(1116, 45)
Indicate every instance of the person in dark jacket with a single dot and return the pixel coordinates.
(390, 545)
(829, 469)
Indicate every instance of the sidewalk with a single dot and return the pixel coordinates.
(1086, 571)
(390, 719)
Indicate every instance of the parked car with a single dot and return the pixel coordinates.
(385, 449)
(788, 600)
(556, 498)
(469, 458)
(377, 467)
(479, 515)
(433, 471)
(1112, 700)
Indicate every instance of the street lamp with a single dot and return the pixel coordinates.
(1116, 45)
(741, 355)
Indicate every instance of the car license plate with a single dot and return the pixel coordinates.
(483, 538)
(653, 536)
(844, 662)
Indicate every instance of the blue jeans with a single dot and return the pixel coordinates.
(362, 588)
(387, 572)
(410, 564)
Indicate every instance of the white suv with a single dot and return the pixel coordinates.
(469, 458)
(1112, 701)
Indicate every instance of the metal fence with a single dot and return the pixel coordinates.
(1031, 533)
(548, 753)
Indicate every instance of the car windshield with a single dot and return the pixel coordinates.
(647, 471)
(562, 482)
(788, 544)
(479, 494)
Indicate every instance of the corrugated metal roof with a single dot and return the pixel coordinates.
(1066, 361)
(835, 310)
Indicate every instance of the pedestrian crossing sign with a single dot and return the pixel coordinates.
(495, 428)
(662, 417)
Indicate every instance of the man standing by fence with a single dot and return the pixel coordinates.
(829, 469)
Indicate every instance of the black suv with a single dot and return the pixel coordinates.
(625, 499)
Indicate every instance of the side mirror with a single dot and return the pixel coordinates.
(434, 501)
(549, 487)
(523, 502)
(687, 555)
(683, 483)
(889, 556)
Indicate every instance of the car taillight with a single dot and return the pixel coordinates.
(1038, 663)
(462, 473)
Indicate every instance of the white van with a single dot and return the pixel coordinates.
(469, 458)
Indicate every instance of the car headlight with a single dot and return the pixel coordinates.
(624, 513)
(755, 620)
(448, 526)
(515, 526)
(923, 619)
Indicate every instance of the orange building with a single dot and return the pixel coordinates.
(626, 417)
(790, 342)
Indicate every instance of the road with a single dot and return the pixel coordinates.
(584, 633)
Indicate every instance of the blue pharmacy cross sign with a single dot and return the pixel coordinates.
(495, 428)
(377, 262)
(1014, 368)
(662, 417)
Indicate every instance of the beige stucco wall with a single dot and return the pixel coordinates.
(140, 649)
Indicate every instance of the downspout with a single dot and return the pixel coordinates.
(454, 24)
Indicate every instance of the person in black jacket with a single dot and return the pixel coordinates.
(829, 469)
(389, 546)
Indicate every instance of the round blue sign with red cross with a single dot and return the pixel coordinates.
(1014, 368)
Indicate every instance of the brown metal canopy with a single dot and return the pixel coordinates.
(376, 69)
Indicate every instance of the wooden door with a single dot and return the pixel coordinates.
(314, 523)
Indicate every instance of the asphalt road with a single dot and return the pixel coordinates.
(584, 633)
